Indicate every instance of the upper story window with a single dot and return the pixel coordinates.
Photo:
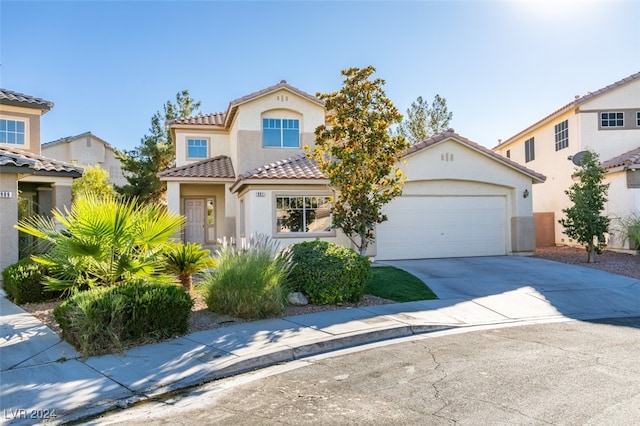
(300, 213)
(562, 135)
(197, 148)
(12, 132)
(529, 150)
(280, 133)
(611, 119)
(508, 153)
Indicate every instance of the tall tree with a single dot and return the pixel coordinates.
(94, 180)
(424, 120)
(155, 152)
(358, 154)
(584, 221)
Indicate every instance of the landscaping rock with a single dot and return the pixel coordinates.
(298, 299)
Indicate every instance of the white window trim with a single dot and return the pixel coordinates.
(609, 120)
(199, 138)
(27, 136)
(274, 209)
(281, 146)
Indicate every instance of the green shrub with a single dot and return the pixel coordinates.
(328, 273)
(23, 282)
(249, 283)
(105, 320)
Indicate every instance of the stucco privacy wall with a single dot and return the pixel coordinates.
(8, 218)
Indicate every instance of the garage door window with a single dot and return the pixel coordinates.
(302, 214)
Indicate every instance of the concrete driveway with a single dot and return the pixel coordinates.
(574, 291)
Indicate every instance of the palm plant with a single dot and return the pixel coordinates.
(184, 260)
(104, 241)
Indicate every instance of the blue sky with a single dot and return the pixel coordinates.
(501, 65)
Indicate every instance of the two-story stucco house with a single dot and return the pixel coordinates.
(87, 149)
(244, 171)
(606, 121)
(40, 182)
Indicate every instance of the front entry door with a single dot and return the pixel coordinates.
(194, 212)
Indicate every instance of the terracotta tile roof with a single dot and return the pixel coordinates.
(18, 158)
(217, 167)
(608, 88)
(568, 107)
(281, 85)
(8, 97)
(72, 138)
(435, 139)
(301, 167)
(215, 119)
(627, 159)
(223, 119)
(297, 167)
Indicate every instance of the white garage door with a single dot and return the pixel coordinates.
(422, 227)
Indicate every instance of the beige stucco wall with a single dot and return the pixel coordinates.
(622, 202)
(246, 130)
(451, 168)
(584, 133)
(88, 150)
(8, 218)
(260, 214)
(218, 143)
(31, 117)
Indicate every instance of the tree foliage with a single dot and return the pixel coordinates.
(584, 221)
(424, 120)
(94, 180)
(155, 152)
(358, 154)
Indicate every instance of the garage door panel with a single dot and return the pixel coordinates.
(429, 226)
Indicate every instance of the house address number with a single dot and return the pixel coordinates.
(6, 194)
(261, 194)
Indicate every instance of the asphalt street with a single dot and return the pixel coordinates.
(567, 372)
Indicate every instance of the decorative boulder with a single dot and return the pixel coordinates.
(297, 298)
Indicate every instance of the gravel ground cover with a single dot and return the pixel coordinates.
(202, 319)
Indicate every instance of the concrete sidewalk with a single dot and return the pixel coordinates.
(43, 379)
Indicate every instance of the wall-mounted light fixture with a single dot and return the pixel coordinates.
(525, 194)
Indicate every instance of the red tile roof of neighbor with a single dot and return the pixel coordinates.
(573, 104)
(627, 159)
(18, 158)
(217, 167)
(9, 97)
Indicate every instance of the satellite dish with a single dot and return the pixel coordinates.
(577, 158)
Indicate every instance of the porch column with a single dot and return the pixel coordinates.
(61, 196)
(8, 218)
(230, 201)
(174, 202)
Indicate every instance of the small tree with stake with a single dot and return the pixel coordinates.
(584, 221)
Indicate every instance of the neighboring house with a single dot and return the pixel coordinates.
(606, 121)
(244, 171)
(38, 184)
(87, 149)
